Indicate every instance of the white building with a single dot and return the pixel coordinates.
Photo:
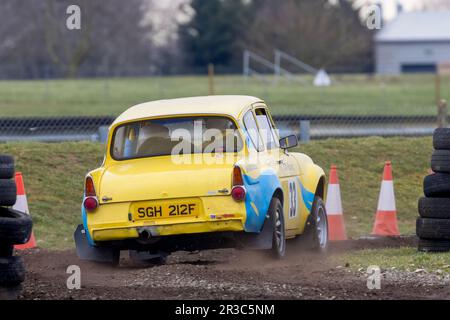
(413, 42)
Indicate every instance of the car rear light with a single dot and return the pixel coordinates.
(237, 176)
(238, 190)
(238, 193)
(89, 189)
(90, 203)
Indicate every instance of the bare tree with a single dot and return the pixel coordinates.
(114, 37)
(316, 31)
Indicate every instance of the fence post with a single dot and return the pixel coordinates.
(437, 85)
(246, 64)
(103, 134)
(442, 114)
(305, 135)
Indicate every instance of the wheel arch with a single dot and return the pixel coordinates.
(320, 189)
(278, 193)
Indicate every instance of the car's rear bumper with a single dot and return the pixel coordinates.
(122, 233)
(112, 222)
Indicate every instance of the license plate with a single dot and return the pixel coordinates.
(165, 209)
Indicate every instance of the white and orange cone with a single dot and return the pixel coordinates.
(22, 205)
(336, 227)
(386, 217)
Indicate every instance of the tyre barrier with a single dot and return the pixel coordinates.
(433, 225)
(15, 229)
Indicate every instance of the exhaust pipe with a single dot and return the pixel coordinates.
(144, 235)
(147, 235)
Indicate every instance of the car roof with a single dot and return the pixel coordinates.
(226, 105)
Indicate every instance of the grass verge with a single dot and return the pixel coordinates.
(403, 259)
(349, 94)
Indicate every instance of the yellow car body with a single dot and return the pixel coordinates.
(134, 195)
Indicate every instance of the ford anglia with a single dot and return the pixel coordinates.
(200, 173)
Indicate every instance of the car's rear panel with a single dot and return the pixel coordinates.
(125, 220)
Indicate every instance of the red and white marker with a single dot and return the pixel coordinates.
(22, 205)
(336, 227)
(386, 217)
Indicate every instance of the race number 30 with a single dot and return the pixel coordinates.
(292, 199)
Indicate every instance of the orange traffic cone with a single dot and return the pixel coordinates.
(386, 217)
(336, 227)
(22, 205)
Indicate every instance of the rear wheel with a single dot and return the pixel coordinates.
(316, 233)
(279, 234)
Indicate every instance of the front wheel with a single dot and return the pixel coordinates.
(279, 234)
(317, 228)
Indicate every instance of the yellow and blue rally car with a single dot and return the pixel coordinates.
(199, 173)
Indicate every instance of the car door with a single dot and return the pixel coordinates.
(286, 167)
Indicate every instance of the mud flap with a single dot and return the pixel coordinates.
(258, 241)
(91, 253)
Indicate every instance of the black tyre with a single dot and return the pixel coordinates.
(10, 293)
(437, 185)
(279, 233)
(426, 245)
(15, 226)
(440, 161)
(8, 194)
(316, 233)
(6, 167)
(427, 228)
(6, 250)
(12, 271)
(437, 208)
(441, 139)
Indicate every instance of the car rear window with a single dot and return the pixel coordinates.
(175, 136)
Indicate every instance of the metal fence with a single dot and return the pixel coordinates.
(56, 129)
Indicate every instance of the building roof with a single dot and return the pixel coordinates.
(227, 105)
(417, 26)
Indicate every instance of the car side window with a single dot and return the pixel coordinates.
(266, 129)
(252, 130)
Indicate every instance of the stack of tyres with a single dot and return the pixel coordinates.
(15, 227)
(433, 225)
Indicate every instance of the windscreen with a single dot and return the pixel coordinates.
(175, 136)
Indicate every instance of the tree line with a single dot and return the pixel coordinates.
(120, 38)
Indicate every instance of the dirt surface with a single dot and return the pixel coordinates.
(225, 274)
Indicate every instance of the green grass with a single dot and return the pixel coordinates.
(405, 259)
(350, 95)
(360, 168)
(53, 177)
(54, 174)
